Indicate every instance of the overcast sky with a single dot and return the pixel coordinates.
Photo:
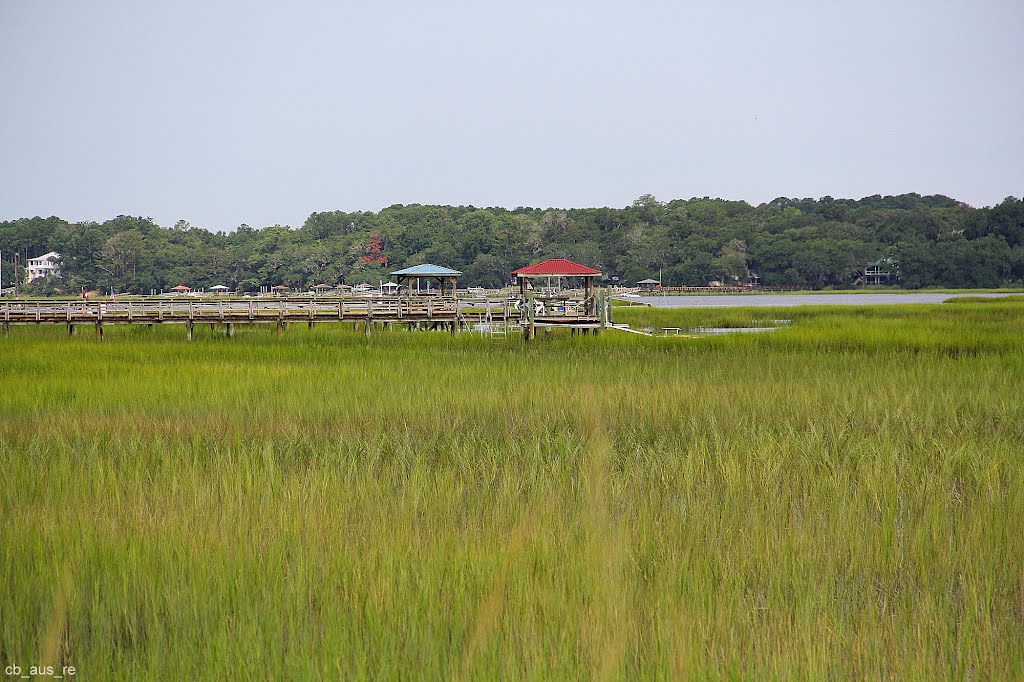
(239, 111)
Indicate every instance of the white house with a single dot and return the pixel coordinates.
(43, 266)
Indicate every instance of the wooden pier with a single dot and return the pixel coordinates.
(431, 312)
(449, 313)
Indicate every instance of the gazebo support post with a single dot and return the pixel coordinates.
(530, 330)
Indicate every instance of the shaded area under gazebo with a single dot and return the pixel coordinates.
(428, 271)
(562, 308)
(561, 268)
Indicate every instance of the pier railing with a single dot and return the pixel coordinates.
(195, 310)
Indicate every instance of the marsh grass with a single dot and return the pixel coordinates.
(839, 498)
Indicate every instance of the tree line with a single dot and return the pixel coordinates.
(932, 241)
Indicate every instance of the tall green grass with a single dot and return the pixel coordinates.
(839, 498)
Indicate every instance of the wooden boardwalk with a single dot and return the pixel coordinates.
(433, 312)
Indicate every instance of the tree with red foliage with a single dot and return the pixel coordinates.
(374, 250)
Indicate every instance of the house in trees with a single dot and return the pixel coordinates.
(881, 271)
(43, 266)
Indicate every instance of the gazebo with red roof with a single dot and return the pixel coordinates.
(560, 309)
(560, 268)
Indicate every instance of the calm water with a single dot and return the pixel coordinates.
(764, 300)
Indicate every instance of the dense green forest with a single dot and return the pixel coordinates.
(932, 240)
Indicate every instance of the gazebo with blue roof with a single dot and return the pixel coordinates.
(427, 271)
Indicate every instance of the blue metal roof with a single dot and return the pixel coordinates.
(427, 270)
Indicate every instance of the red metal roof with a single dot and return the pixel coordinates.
(557, 266)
